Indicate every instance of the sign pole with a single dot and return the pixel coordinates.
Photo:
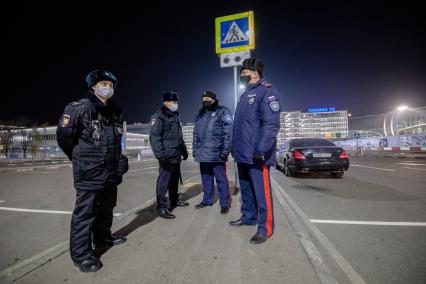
(235, 108)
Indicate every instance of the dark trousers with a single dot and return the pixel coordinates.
(256, 195)
(210, 171)
(168, 179)
(91, 220)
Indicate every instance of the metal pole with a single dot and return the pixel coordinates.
(235, 108)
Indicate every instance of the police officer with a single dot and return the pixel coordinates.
(89, 132)
(256, 125)
(169, 148)
(211, 147)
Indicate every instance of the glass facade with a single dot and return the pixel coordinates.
(328, 124)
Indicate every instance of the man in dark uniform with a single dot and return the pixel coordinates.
(256, 125)
(167, 143)
(210, 147)
(90, 132)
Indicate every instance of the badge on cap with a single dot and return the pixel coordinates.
(65, 120)
(274, 105)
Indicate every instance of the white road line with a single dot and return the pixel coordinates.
(411, 164)
(2, 201)
(142, 169)
(381, 169)
(414, 169)
(344, 265)
(374, 223)
(41, 211)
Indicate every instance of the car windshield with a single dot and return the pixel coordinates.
(310, 142)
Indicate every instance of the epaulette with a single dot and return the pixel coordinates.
(266, 84)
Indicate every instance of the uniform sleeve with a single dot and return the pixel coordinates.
(156, 136)
(227, 123)
(270, 120)
(68, 130)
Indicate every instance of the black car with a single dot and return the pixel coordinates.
(311, 154)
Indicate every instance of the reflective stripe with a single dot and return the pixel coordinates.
(268, 201)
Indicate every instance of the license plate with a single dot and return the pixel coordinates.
(321, 155)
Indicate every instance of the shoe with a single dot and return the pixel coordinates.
(237, 223)
(224, 210)
(114, 240)
(166, 214)
(91, 264)
(181, 203)
(258, 239)
(202, 205)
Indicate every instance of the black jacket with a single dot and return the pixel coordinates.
(166, 136)
(89, 133)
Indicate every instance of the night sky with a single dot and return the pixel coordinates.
(367, 58)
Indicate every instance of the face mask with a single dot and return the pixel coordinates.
(104, 92)
(206, 104)
(174, 107)
(244, 80)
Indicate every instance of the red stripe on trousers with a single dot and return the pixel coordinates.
(268, 201)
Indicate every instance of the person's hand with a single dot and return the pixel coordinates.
(185, 156)
(258, 158)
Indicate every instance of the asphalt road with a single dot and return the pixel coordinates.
(369, 226)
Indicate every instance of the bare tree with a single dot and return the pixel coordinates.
(25, 142)
(6, 138)
(36, 139)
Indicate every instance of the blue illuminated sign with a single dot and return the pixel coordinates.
(321, 109)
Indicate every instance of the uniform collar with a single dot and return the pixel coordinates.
(168, 112)
(252, 86)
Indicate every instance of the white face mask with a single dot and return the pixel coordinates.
(104, 92)
(174, 107)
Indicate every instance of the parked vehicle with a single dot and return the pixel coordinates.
(311, 154)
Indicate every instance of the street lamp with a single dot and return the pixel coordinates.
(402, 108)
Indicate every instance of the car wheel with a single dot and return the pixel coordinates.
(287, 171)
(337, 174)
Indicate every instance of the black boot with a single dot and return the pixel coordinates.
(91, 264)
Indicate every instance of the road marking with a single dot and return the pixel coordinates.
(25, 170)
(382, 169)
(2, 201)
(42, 211)
(142, 169)
(344, 265)
(414, 169)
(411, 164)
(374, 223)
(33, 263)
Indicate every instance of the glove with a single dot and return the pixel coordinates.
(185, 156)
(224, 157)
(123, 165)
(258, 158)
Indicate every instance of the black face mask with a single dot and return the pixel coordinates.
(244, 80)
(207, 104)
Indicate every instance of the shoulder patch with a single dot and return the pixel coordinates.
(275, 106)
(227, 118)
(65, 120)
(153, 120)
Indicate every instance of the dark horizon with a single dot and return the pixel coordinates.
(367, 58)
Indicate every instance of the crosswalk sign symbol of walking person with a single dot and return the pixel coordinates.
(235, 32)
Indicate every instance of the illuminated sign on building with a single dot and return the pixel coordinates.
(321, 109)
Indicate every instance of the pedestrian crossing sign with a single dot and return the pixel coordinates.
(235, 32)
